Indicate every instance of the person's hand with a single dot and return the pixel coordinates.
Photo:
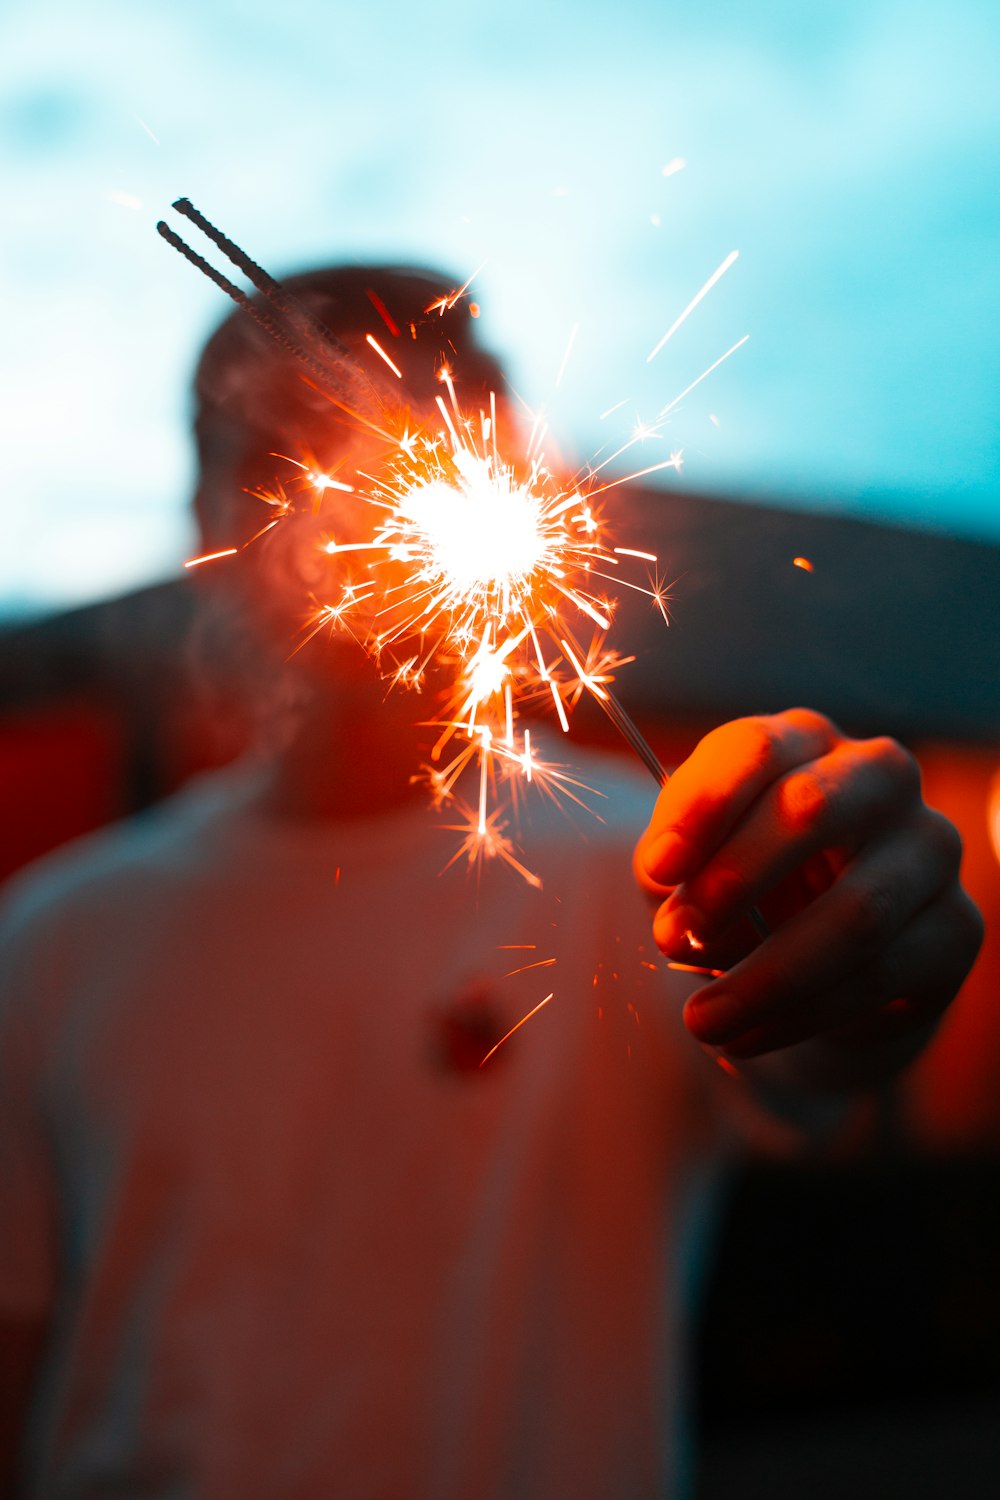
(871, 933)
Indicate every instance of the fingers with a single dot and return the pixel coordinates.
(925, 959)
(708, 795)
(871, 935)
(837, 801)
(894, 926)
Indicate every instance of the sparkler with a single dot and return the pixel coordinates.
(456, 558)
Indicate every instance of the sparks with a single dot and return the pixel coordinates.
(569, 349)
(541, 963)
(374, 343)
(481, 563)
(207, 557)
(693, 969)
(457, 557)
(716, 275)
(143, 126)
(703, 376)
(517, 1027)
(484, 840)
(448, 300)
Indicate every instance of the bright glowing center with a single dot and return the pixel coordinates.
(487, 675)
(484, 532)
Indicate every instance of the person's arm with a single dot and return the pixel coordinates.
(871, 934)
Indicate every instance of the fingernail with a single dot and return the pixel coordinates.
(666, 858)
(713, 1017)
(677, 930)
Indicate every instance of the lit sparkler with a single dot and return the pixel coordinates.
(458, 558)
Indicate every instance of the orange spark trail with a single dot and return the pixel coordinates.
(517, 1027)
(383, 312)
(446, 302)
(542, 963)
(196, 562)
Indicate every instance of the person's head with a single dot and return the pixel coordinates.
(259, 411)
(254, 400)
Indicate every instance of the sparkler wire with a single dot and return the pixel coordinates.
(300, 323)
(262, 280)
(630, 732)
(259, 315)
(265, 283)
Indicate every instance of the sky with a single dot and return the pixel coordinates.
(592, 164)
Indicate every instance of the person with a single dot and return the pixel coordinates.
(272, 1226)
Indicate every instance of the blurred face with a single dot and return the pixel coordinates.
(265, 505)
(291, 478)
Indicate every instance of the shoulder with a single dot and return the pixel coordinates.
(105, 875)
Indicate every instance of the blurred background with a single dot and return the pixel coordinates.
(592, 165)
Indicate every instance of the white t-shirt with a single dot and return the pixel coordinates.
(293, 1240)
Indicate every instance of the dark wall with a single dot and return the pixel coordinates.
(893, 631)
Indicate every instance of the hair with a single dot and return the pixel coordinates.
(254, 399)
(244, 377)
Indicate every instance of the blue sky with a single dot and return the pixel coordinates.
(850, 153)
